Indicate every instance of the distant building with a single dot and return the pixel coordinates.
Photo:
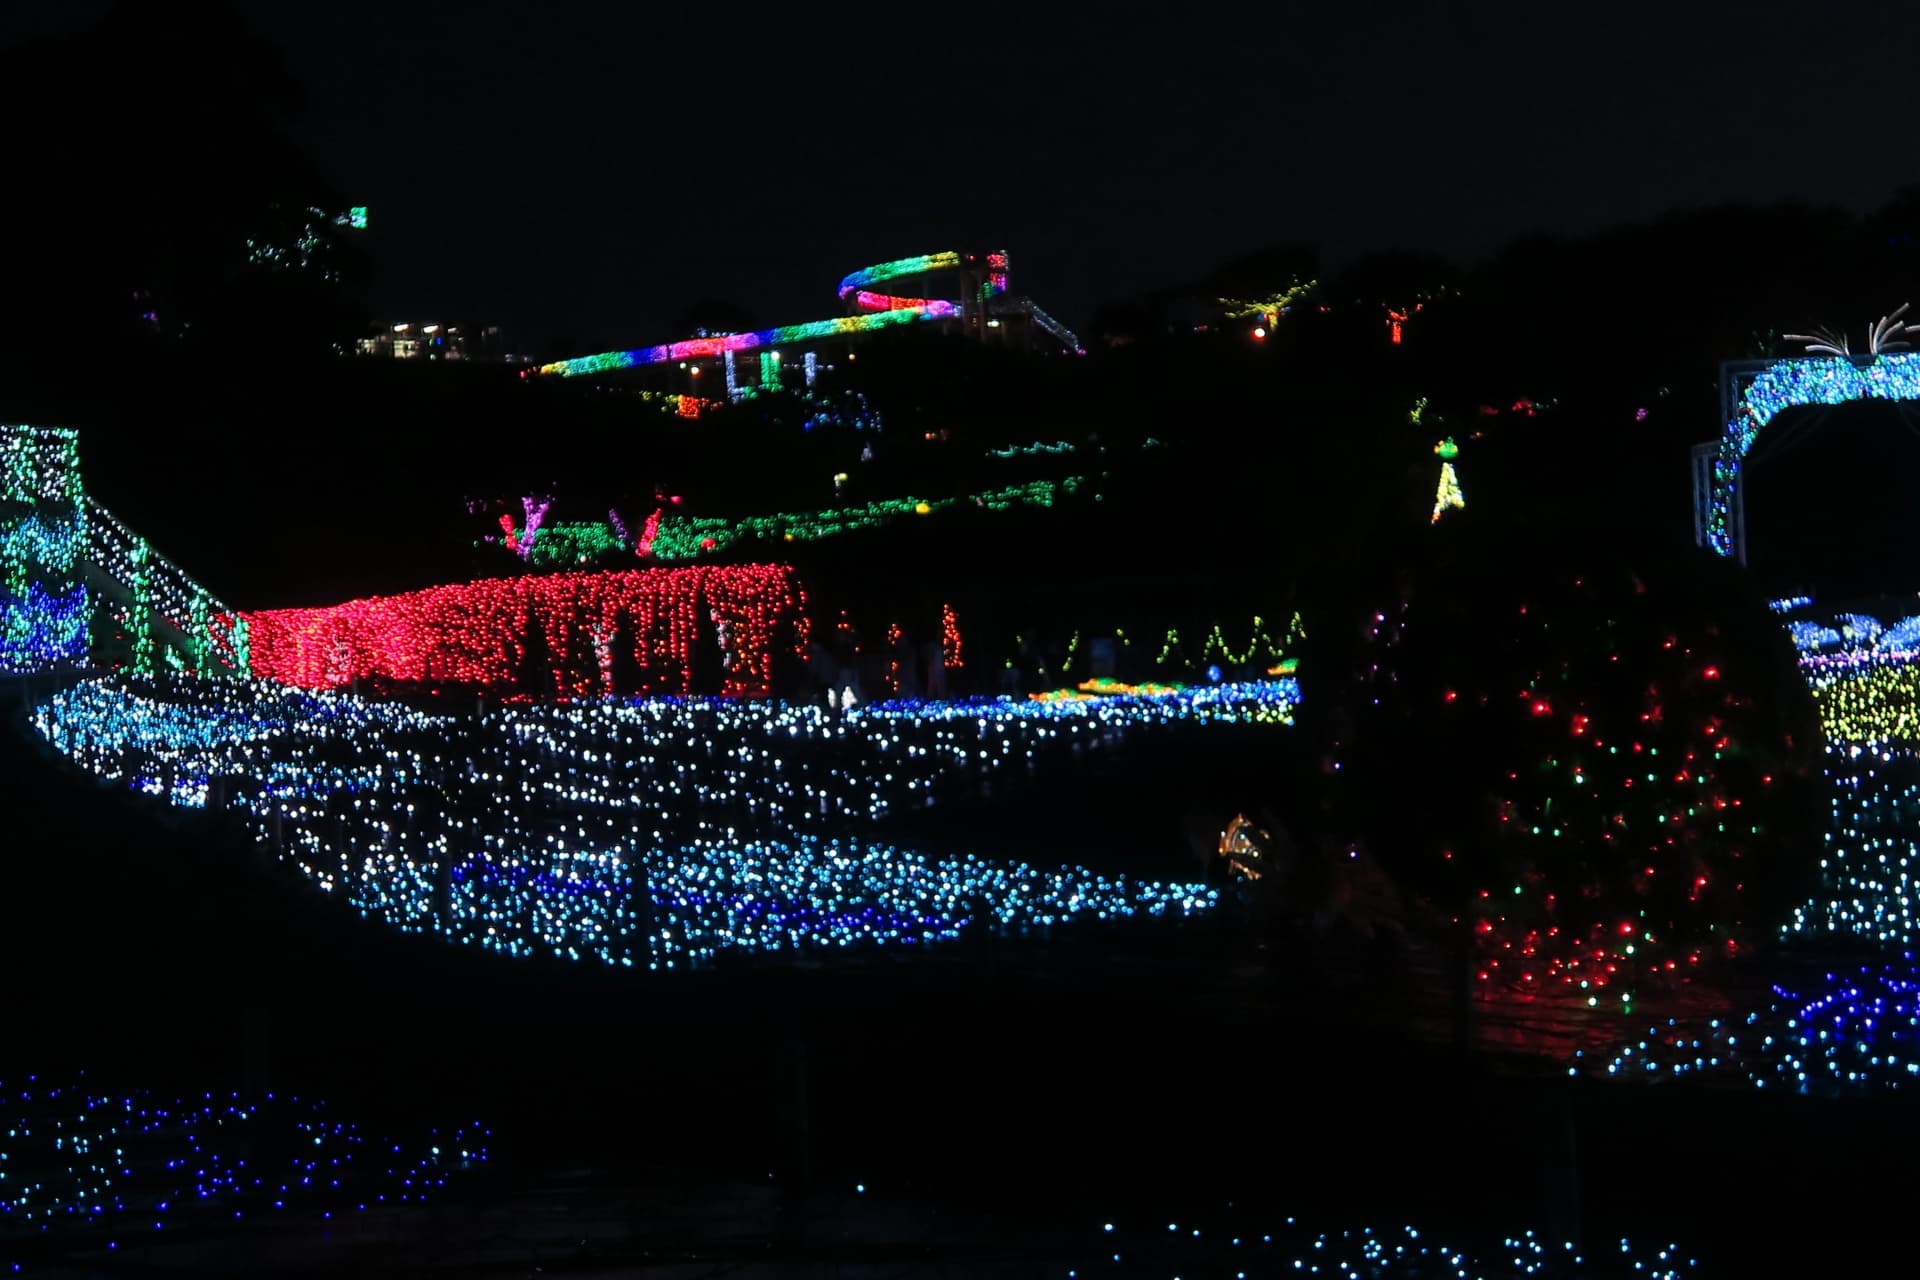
(410, 341)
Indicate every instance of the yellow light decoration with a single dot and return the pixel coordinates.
(1105, 686)
(1242, 845)
(1448, 496)
(1271, 306)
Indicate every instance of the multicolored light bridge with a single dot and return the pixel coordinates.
(984, 302)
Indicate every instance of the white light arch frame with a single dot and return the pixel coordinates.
(1720, 521)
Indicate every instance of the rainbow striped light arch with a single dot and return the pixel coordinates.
(874, 311)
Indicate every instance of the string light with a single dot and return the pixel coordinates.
(1235, 1244)
(53, 535)
(118, 1166)
(1785, 385)
(876, 311)
(604, 830)
(673, 539)
(489, 633)
(1855, 1031)
(1448, 496)
(952, 652)
(1032, 450)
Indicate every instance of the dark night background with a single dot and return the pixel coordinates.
(587, 171)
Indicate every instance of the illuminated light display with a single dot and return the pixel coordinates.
(1889, 333)
(1631, 803)
(1243, 847)
(1107, 686)
(623, 832)
(1271, 307)
(874, 311)
(854, 285)
(952, 651)
(697, 348)
(200, 631)
(492, 632)
(1856, 1031)
(115, 1165)
(1811, 637)
(1233, 1243)
(1782, 386)
(43, 600)
(1866, 699)
(674, 539)
(781, 896)
(54, 541)
(1871, 858)
(1033, 450)
(306, 244)
(1448, 496)
(877, 311)
(1262, 702)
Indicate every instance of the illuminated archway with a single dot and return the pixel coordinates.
(1719, 507)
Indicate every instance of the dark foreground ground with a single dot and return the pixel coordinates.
(997, 1100)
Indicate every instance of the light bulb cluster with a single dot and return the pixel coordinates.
(1782, 386)
(79, 1160)
(1262, 650)
(793, 895)
(1868, 699)
(600, 830)
(1448, 496)
(1854, 1031)
(1870, 868)
(1233, 1245)
(196, 631)
(52, 536)
(1037, 449)
(43, 600)
(571, 635)
(675, 539)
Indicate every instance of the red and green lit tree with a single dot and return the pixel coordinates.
(1604, 772)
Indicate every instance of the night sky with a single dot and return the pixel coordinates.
(588, 171)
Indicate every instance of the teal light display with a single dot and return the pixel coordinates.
(43, 599)
(72, 576)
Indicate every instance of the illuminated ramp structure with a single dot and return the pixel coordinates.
(983, 307)
(79, 589)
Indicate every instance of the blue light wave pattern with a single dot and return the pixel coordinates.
(782, 896)
(647, 834)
